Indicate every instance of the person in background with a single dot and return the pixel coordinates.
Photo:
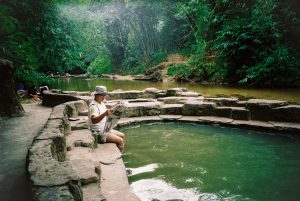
(97, 118)
(32, 92)
(42, 89)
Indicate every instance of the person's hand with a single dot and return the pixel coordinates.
(109, 112)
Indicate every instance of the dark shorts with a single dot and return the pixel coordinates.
(99, 136)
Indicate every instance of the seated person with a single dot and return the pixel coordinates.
(42, 89)
(97, 119)
(32, 92)
(21, 89)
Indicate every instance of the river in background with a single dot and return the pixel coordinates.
(82, 84)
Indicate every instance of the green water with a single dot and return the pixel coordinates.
(82, 84)
(177, 161)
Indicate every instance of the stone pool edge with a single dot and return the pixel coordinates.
(52, 175)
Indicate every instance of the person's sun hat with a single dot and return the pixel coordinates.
(100, 90)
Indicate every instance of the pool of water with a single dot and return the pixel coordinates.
(181, 161)
(81, 84)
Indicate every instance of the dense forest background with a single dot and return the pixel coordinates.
(250, 42)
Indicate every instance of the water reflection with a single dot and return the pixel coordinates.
(82, 84)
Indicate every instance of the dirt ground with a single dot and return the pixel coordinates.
(16, 136)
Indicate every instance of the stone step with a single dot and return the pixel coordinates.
(175, 109)
(114, 183)
(85, 170)
(80, 138)
(91, 192)
(238, 113)
(79, 123)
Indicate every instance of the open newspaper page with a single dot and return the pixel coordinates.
(113, 119)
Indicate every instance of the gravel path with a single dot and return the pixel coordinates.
(16, 135)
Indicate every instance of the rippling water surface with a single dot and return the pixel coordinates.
(177, 161)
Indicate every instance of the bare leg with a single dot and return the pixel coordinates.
(115, 139)
(120, 134)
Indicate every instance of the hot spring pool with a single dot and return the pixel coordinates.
(181, 161)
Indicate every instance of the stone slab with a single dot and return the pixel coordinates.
(80, 138)
(91, 192)
(115, 187)
(106, 153)
(170, 117)
(215, 120)
(85, 170)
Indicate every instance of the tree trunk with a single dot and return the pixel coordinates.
(9, 103)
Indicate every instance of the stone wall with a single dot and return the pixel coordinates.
(52, 176)
(56, 177)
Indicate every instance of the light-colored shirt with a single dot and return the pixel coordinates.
(95, 109)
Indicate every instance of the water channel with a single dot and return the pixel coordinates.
(182, 161)
(81, 84)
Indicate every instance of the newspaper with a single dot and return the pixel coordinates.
(117, 112)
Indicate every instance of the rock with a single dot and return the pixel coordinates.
(146, 119)
(69, 92)
(142, 109)
(92, 192)
(222, 101)
(80, 153)
(289, 113)
(54, 130)
(81, 123)
(39, 150)
(106, 153)
(189, 94)
(131, 94)
(240, 113)
(191, 119)
(253, 124)
(262, 109)
(178, 99)
(197, 108)
(215, 120)
(175, 91)
(53, 99)
(53, 193)
(50, 172)
(80, 138)
(223, 112)
(287, 126)
(170, 117)
(62, 122)
(59, 112)
(85, 170)
(115, 186)
(175, 109)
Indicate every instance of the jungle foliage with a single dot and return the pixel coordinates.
(244, 41)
